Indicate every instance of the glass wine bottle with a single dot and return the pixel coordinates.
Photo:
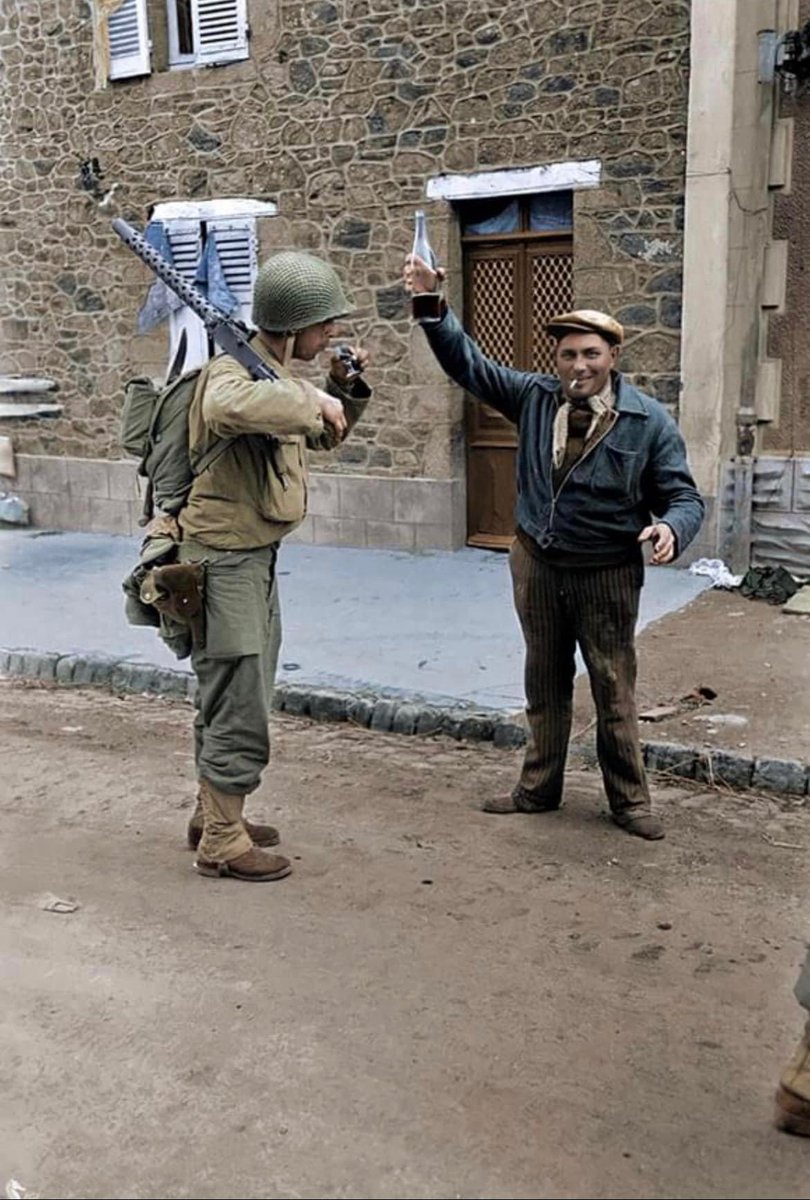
(425, 306)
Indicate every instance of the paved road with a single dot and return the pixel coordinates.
(439, 625)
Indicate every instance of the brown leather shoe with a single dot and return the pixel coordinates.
(254, 866)
(793, 1093)
(499, 804)
(643, 825)
(260, 835)
(520, 802)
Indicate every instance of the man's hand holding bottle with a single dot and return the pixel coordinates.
(422, 277)
(419, 276)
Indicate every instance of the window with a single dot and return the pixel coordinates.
(201, 33)
(547, 212)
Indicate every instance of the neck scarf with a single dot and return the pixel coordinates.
(599, 404)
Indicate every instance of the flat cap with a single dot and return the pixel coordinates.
(586, 320)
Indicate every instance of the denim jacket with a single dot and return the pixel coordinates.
(636, 471)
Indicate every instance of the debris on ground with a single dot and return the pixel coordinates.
(774, 584)
(717, 571)
(55, 904)
(736, 720)
(13, 509)
(697, 698)
(16, 1191)
(659, 712)
(799, 602)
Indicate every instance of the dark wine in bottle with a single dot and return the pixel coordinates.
(425, 306)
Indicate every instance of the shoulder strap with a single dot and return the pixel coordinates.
(201, 462)
(210, 456)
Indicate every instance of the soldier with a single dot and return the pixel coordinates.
(238, 511)
(793, 1093)
(596, 459)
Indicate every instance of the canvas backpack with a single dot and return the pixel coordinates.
(154, 429)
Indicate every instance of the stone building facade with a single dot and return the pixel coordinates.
(340, 117)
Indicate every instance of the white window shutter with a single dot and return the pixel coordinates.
(236, 246)
(220, 30)
(128, 38)
(186, 244)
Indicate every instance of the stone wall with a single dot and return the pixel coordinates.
(342, 112)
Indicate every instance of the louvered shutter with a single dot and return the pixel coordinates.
(128, 39)
(186, 244)
(220, 30)
(236, 246)
(237, 250)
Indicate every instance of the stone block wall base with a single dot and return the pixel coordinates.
(106, 496)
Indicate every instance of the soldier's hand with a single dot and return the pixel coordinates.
(333, 415)
(419, 277)
(341, 371)
(663, 541)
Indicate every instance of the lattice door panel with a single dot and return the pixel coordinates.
(511, 290)
(552, 292)
(492, 307)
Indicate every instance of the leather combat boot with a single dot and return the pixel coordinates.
(793, 1093)
(225, 848)
(254, 866)
(260, 835)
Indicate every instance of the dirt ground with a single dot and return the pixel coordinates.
(437, 1003)
(757, 659)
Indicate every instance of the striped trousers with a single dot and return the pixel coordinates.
(596, 608)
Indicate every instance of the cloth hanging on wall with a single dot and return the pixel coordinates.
(210, 279)
(160, 300)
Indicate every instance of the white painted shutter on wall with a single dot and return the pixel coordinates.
(237, 250)
(128, 37)
(236, 246)
(186, 244)
(220, 30)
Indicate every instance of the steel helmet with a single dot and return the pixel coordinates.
(294, 290)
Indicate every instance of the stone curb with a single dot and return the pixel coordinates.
(408, 715)
(369, 709)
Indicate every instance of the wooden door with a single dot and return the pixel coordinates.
(492, 292)
(513, 284)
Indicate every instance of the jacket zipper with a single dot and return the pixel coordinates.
(588, 450)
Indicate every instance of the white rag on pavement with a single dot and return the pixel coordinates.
(717, 571)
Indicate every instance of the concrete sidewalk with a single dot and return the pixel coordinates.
(436, 626)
